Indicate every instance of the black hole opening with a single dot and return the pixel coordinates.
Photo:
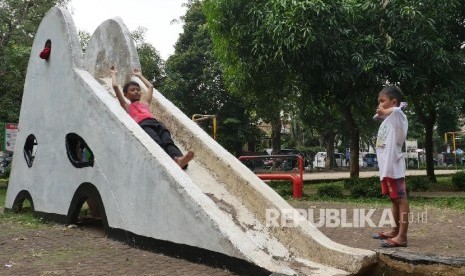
(48, 44)
(79, 153)
(30, 148)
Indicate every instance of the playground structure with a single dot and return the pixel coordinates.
(297, 180)
(453, 135)
(214, 212)
(201, 117)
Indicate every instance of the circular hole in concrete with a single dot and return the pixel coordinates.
(79, 153)
(30, 148)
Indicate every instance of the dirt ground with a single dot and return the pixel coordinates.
(431, 231)
(51, 249)
(58, 250)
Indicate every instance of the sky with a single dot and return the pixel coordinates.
(154, 15)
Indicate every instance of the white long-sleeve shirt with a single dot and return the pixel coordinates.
(391, 137)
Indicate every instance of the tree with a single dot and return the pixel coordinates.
(84, 38)
(152, 64)
(194, 82)
(251, 71)
(19, 21)
(427, 62)
(324, 48)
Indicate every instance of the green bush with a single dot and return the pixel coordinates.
(330, 190)
(283, 188)
(458, 180)
(349, 183)
(418, 184)
(367, 187)
(6, 174)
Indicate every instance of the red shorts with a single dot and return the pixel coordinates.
(395, 188)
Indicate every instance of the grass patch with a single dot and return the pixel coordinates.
(2, 195)
(312, 188)
(330, 190)
(453, 203)
(444, 184)
(283, 188)
(25, 218)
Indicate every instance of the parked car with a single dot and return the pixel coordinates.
(370, 160)
(293, 162)
(4, 162)
(288, 163)
(340, 160)
(320, 160)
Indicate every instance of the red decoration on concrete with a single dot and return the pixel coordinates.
(45, 54)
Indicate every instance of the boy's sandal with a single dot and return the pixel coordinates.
(390, 243)
(380, 236)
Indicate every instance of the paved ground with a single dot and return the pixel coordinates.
(59, 250)
(50, 249)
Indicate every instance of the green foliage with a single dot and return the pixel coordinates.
(2, 195)
(418, 184)
(425, 40)
(443, 184)
(152, 64)
(349, 183)
(19, 21)
(449, 203)
(458, 180)
(447, 119)
(25, 218)
(84, 38)
(11, 82)
(363, 187)
(7, 172)
(330, 190)
(251, 68)
(311, 151)
(340, 53)
(194, 82)
(283, 188)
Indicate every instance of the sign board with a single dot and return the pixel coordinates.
(11, 131)
(411, 145)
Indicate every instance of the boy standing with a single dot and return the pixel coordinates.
(391, 136)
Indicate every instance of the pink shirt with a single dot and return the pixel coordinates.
(139, 111)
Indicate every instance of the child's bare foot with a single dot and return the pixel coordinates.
(182, 161)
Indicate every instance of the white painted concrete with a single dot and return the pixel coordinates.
(217, 204)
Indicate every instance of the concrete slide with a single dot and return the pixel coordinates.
(213, 212)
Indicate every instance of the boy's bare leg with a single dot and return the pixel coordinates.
(395, 214)
(182, 161)
(403, 212)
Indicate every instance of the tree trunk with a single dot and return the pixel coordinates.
(354, 134)
(276, 134)
(328, 141)
(354, 153)
(251, 146)
(429, 126)
(428, 119)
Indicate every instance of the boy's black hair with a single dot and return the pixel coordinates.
(126, 86)
(393, 92)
